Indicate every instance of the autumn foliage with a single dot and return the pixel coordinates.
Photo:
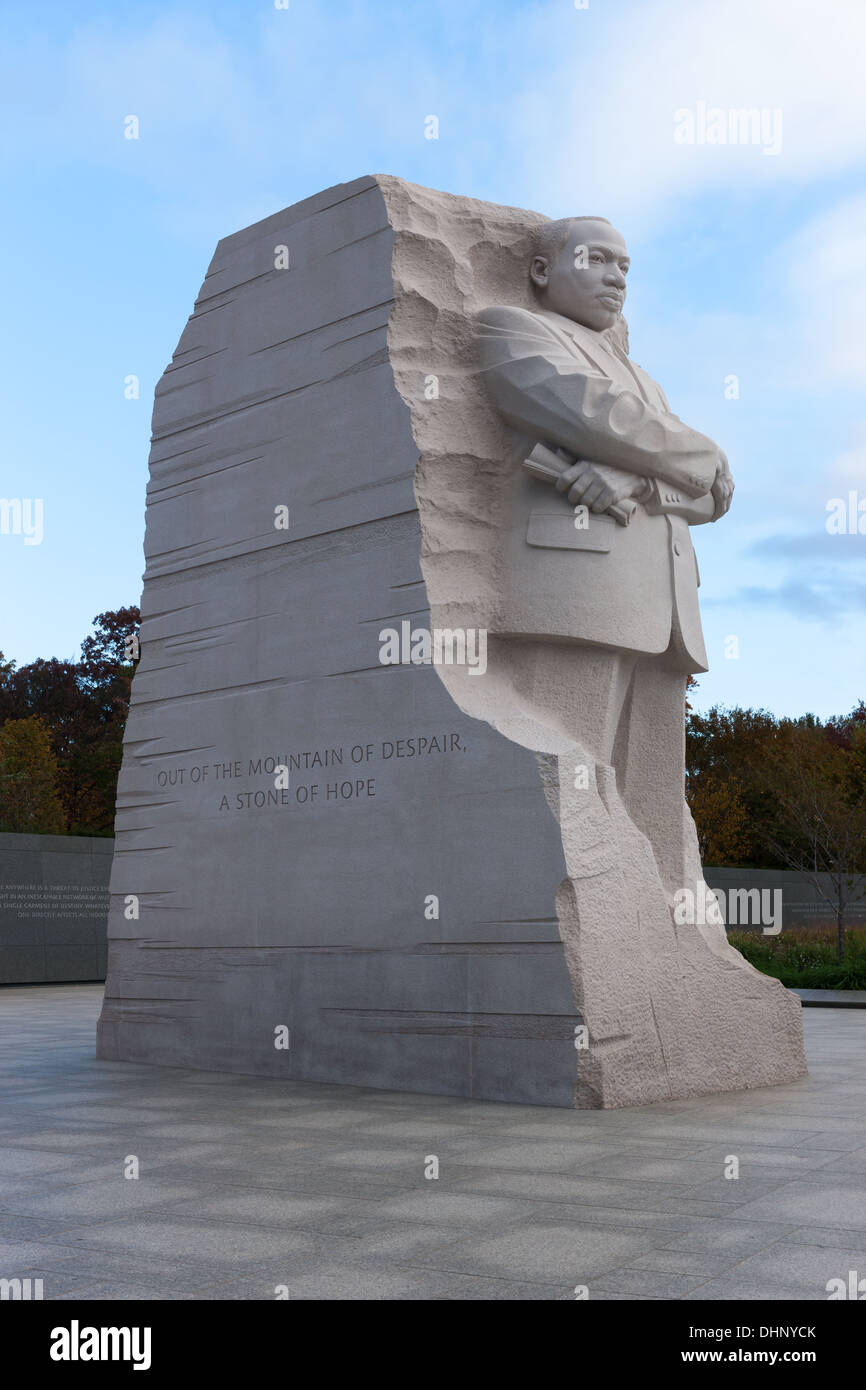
(783, 794)
(29, 798)
(753, 781)
(64, 722)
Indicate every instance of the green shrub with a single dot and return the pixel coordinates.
(806, 959)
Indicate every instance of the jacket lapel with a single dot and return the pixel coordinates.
(590, 346)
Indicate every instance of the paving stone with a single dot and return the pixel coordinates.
(246, 1183)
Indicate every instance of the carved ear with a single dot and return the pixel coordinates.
(538, 271)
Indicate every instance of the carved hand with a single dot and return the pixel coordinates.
(594, 486)
(723, 487)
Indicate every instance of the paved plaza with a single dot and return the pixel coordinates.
(256, 1189)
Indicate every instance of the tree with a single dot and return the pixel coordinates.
(29, 799)
(84, 705)
(726, 752)
(721, 819)
(108, 660)
(820, 786)
(754, 781)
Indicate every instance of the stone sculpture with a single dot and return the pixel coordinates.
(338, 858)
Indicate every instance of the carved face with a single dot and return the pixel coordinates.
(586, 281)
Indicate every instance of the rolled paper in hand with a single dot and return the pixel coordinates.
(546, 464)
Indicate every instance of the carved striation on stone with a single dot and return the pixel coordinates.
(261, 642)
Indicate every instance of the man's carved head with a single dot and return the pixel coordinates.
(578, 269)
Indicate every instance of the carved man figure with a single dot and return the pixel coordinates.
(598, 578)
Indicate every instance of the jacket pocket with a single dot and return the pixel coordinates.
(557, 531)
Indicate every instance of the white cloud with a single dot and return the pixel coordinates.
(825, 270)
(615, 132)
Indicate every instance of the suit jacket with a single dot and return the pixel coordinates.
(629, 587)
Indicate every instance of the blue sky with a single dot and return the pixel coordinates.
(744, 263)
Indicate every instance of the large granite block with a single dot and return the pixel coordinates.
(259, 642)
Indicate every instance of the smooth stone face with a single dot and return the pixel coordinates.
(53, 907)
(426, 899)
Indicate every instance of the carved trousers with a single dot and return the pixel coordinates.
(627, 713)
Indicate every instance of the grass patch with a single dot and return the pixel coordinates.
(806, 959)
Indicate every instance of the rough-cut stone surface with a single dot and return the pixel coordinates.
(313, 388)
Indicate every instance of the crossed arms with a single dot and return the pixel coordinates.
(548, 393)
